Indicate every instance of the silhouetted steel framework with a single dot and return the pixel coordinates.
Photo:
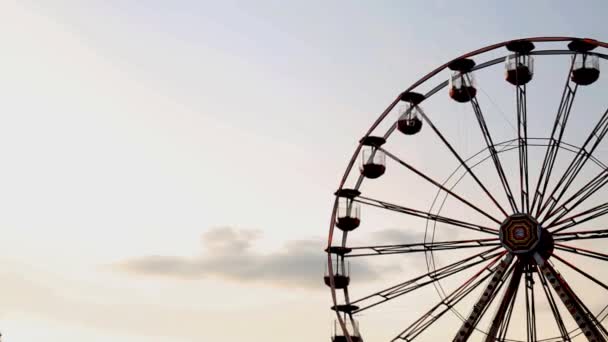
(513, 257)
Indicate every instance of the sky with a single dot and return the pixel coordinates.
(168, 167)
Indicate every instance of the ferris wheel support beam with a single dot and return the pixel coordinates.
(492, 149)
(559, 126)
(437, 311)
(530, 303)
(462, 162)
(592, 329)
(584, 153)
(522, 135)
(502, 317)
(563, 331)
(484, 301)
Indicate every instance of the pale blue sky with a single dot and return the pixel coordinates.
(131, 129)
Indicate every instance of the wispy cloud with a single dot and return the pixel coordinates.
(228, 254)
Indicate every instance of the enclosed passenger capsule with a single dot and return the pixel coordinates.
(519, 68)
(409, 121)
(341, 273)
(352, 327)
(462, 83)
(348, 211)
(585, 67)
(349, 214)
(373, 160)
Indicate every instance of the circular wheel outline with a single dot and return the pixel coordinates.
(429, 94)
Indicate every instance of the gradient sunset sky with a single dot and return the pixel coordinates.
(209, 135)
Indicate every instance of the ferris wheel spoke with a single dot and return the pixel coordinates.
(435, 246)
(563, 331)
(583, 317)
(582, 251)
(487, 296)
(583, 155)
(439, 185)
(583, 273)
(581, 235)
(424, 214)
(574, 220)
(502, 317)
(447, 303)
(522, 139)
(579, 197)
(462, 161)
(492, 149)
(559, 126)
(420, 281)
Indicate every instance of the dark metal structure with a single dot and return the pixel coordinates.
(536, 218)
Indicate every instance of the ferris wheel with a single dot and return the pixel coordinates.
(495, 186)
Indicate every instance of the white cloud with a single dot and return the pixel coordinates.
(228, 254)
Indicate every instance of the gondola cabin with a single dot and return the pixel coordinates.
(586, 69)
(348, 216)
(519, 69)
(462, 87)
(462, 83)
(409, 122)
(373, 159)
(341, 273)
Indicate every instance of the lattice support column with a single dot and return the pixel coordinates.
(583, 318)
(484, 301)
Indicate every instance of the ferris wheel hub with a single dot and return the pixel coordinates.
(521, 234)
